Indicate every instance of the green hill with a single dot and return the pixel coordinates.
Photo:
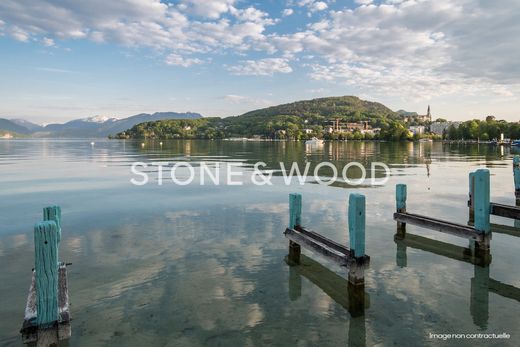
(297, 120)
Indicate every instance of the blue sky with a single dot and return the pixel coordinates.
(62, 60)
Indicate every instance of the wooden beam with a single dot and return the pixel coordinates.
(505, 290)
(320, 248)
(444, 249)
(505, 210)
(61, 330)
(505, 229)
(322, 239)
(332, 284)
(440, 225)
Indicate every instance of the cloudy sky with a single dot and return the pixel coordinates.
(65, 59)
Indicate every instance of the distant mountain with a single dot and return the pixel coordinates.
(297, 120)
(32, 127)
(404, 113)
(337, 106)
(101, 126)
(10, 126)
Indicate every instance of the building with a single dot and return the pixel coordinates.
(417, 129)
(426, 117)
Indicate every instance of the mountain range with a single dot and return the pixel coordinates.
(97, 126)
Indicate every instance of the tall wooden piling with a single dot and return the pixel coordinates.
(356, 224)
(47, 315)
(400, 202)
(516, 174)
(471, 199)
(53, 213)
(46, 269)
(295, 219)
(356, 228)
(482, 208)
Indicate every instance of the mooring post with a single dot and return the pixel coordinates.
(295, 219)
(471, 197)
(400, 202)
(46, 272)
(356, 229)
(53, 213)
(482, 207)
(516, 174)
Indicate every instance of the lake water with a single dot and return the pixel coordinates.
(171, 265)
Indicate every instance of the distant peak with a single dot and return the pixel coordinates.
(99, 119)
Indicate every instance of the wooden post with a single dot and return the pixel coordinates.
(471, 202)
(295, 219)
(356, 224)
(356, 229)
(400, 202)
(479, 301)
(516, 174)
(482, 208)
(46, 269)
(53, 213)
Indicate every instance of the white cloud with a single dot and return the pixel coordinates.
(48, 42)
(262, 67)
(287, 12)
(246, 100)
(210, 9)
(178, 60)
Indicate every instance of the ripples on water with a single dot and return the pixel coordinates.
(172, 265)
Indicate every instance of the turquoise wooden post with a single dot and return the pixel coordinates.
(295, 219)
(482, 201)
(400, 204)
(53, 213)
(471, 200)
(46, 272)
(356, 224)
(516, 174)
(295, 210)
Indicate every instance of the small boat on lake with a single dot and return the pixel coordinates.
(314, 142)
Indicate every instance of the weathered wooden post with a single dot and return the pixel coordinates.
(356, 229)
(471, 196)
(46, 271)
(53, 213)
(479, 301)
(400, 202)
(482, 208)
(47, 315)
(295, 219)
(516, 174)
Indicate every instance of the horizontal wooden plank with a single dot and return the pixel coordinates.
(505, 210)
(322, 239)
(454, 229)
(62, 329)
(332, 284)
(505, 290)
(444, 249)
(320, 248)
(505, 229)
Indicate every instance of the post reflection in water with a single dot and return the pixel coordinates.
(350, 296)
(481, 283)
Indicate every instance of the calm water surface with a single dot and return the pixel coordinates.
(204, 265)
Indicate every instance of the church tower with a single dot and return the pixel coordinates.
(429, 114)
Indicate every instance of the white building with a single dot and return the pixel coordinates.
(417, 129)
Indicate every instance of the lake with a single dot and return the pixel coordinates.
(172, 265)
